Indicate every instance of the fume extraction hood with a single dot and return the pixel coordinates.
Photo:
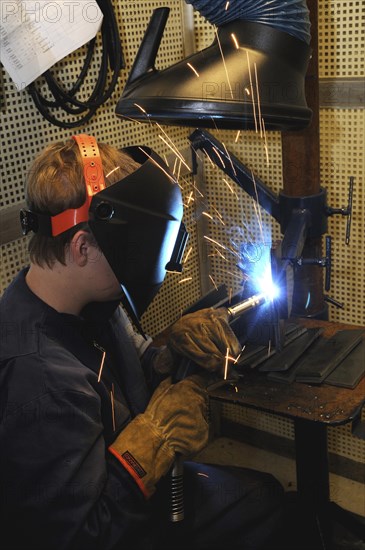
(252, 74)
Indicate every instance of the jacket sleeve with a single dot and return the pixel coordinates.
(63, 489)
(144, 348)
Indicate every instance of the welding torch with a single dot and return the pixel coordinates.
(246, 305)
(184, 369)
(186, 366)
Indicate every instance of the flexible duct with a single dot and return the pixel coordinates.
(291, 16)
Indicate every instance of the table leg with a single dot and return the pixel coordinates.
(312, 463)
(313, 479)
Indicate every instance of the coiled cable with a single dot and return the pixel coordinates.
(66, 100)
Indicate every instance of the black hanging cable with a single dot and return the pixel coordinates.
(79, 82)
(66, 100)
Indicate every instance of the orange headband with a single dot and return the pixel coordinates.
(94, 181)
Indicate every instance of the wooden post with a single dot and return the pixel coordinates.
(301, 177)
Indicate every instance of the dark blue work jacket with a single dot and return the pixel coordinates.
(60, 487)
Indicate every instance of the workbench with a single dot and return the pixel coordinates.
(313, 409)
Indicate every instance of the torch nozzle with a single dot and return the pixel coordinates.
(246, 305)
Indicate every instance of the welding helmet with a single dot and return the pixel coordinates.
(136, 221)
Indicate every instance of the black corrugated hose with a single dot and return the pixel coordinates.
(66, 100)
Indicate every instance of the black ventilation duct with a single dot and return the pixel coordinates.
(252, 74)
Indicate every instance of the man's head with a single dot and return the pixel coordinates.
(118, 208)
(55, 182)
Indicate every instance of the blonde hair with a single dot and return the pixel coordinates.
(55, 182)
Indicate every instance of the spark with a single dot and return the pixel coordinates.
(207, 215)
(258, 216)
(235, 275)
(179, 170)
(190, 197)
(222, 246)
(230, 295)
(219, 156)
(165, 159)
(212, 163)
(237, 136)
(236, 389)
(220, 254)
(239, 355)
(193, 69)
(247, 91)
(197, 190)
(235, 41)
(219, 215)
(224, 62)
(188, 254)
(112, 402)
(221, 219)
(174, 151)
(228, 185)
(229, 158)
(157, 164)
(141, 108)
(215, 242)
(211, 278)
(185, 280)
(201, 474)
(308, 301)
(251, 87)
(226, 365)
(233, 252)
(230, 188)
(101, 365)
(227, 5)
(258, 100)
(215, 124)
(112, 171)
(269, 349)
(257, 210)
(265, 144)
(174, 168)
(132, 119)
(173, 146)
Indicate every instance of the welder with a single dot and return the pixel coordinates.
(90, 421)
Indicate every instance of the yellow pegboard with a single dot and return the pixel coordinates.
(341, 54)
(20, 147)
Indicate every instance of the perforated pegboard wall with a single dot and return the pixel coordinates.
(341, 54)
(232, 216)
(342, 156)
(340, 439)
(24, 133)
(179, 290)
(341, 38)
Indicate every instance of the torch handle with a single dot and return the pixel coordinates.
(186, 368)
(177, 472)
(177, 490)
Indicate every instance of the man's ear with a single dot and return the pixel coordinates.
(82, 248)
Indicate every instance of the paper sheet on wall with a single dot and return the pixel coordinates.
(35, 35)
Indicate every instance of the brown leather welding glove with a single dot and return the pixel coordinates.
(203, 337)
(174, 422)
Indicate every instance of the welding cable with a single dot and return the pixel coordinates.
(111, 56)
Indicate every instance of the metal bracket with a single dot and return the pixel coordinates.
(345, 211)
(325, 262)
